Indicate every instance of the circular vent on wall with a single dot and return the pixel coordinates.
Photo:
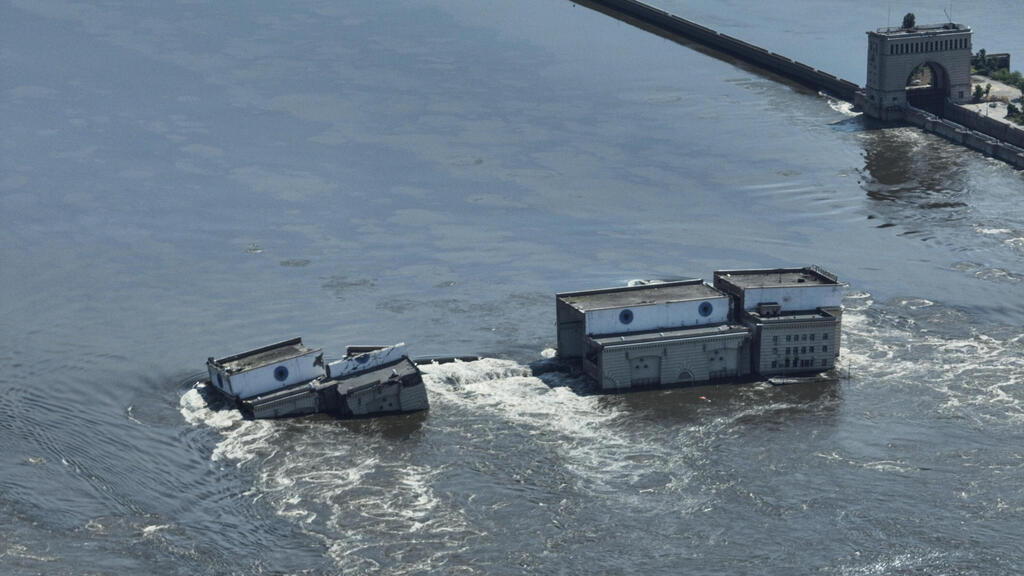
(705, 309)
(626, 316)
(280, 373)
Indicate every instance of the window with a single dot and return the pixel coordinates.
(812, 349)
(803, 349)
(787, 362)
(788, 337)
(824, 348)
(805, 338)
(812, 337)
(824, 336)
(824, 362)
(775, 351)
(775, 339)
(787, 350)
(775, 363)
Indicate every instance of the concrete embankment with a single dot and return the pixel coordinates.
(674, 27)
(962, 133)
(997, 129)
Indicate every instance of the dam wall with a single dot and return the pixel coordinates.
(964, 134)
(674, 27)
(975, 121)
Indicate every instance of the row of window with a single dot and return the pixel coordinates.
(800, 363)
(799, 337)
(928, 46)
(799, 350)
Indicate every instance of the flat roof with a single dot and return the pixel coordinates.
(930, 29)
(662, 293)
(777, 277)
(677, 334)
(264, 356)
(800, 316)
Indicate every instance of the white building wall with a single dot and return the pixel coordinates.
(657, 316)
(792, 298)
(261, 380)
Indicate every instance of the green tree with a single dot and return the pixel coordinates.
(909, 21)
(978, 92)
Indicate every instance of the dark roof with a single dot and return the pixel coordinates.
(777, 277)
(930, 29)
(676, 334)
(264, 356)
(686, 290)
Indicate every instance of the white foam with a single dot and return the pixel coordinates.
(241, 438)
(888, 564)
(980, 376)
(1015, 243)
(581, 429)
(994, 231)
(151, 530)
(843, 107)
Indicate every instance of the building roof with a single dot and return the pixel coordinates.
(665, 335)
(929, 29)
(683, 291)
(777, 277)
(263, 356)
(790, 317)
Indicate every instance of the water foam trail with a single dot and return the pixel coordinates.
(589, 436)
(978, 376)
(370, 508)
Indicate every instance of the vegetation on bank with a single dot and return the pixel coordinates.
(997, 68)
(1014, 78)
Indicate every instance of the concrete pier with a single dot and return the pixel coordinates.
(675, 28)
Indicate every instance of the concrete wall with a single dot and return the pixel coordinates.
(261, 380)
(570, 323)
(774, 345)
(691, 360)
(974, 121)
(892, 59)
(962, 133)
(671, 25)
(667, 315)
(794, 298)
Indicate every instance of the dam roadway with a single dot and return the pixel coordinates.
(997, 139)
(679, 29)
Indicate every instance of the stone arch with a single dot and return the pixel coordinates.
(895, 53)
(928, 86)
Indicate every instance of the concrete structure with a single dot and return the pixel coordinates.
(290, 379)
(680, 29)
(262, 370)
(689, 332)
(794, 315)
(895, 53)
(651, 335)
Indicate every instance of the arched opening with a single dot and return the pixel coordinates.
(928, 87)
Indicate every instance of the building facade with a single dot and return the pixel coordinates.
(749, 323)
(894, 54)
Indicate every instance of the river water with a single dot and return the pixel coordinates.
(191, 179)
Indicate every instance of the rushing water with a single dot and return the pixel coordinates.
(181, 180)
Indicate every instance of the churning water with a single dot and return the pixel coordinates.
(184, 180)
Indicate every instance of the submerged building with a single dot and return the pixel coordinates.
(749, 323)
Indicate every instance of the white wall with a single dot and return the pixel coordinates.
(261, 380)
(793, 298)
(667, 315)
